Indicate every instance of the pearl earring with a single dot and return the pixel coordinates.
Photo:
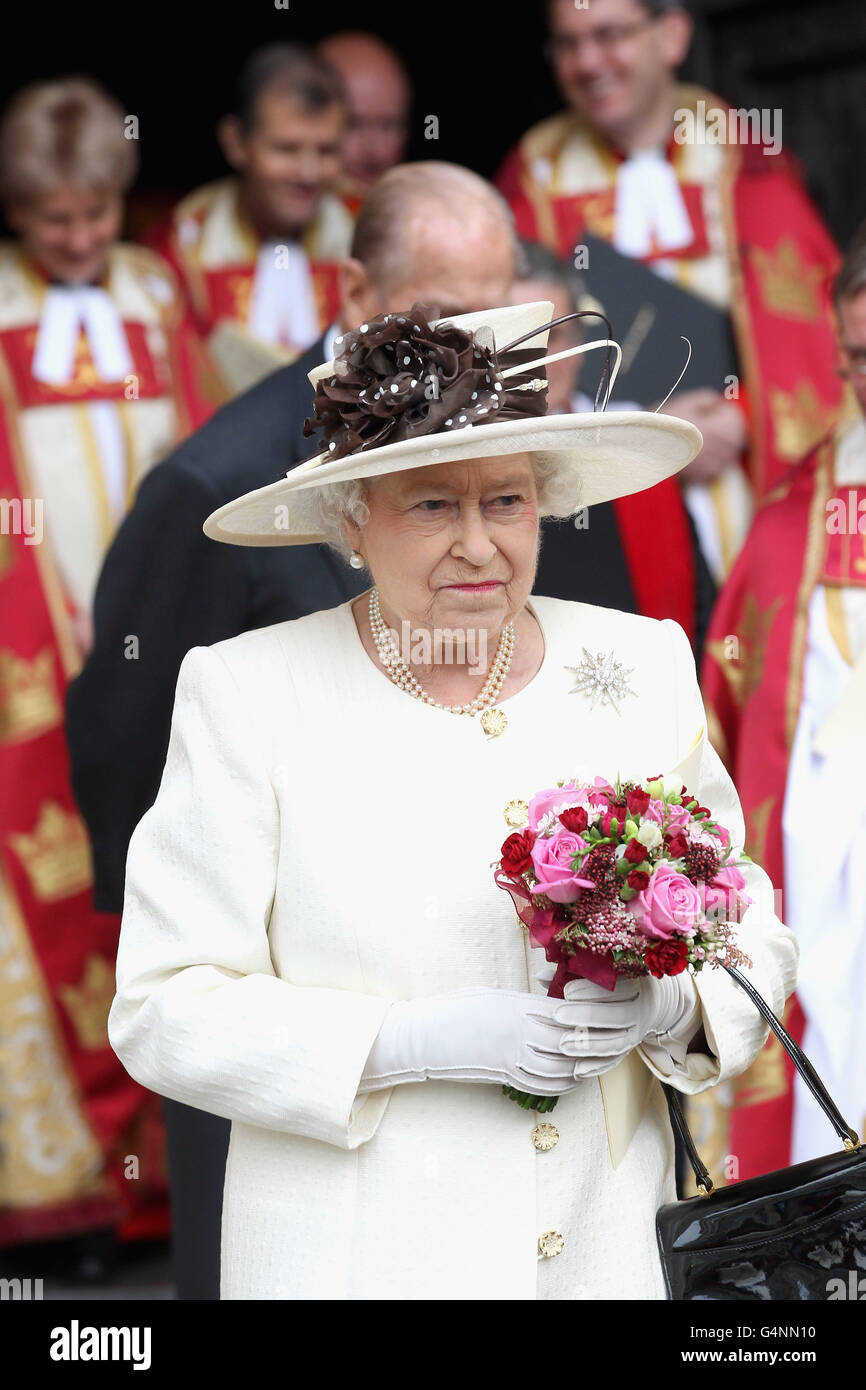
(356, 560)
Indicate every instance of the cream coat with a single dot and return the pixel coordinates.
(320, 846)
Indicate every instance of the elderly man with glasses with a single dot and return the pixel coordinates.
(671, 175)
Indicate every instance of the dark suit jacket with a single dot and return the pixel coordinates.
(167, 585)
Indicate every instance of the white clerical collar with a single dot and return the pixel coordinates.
(67, 311)
(283, 306)
(649, 208)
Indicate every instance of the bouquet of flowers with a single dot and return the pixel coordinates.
(623, 879)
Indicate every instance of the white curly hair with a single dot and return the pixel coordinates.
(558, 489)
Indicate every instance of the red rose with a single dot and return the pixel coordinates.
(667, 958)
(635, 852)
(639, 879)
(677, 845)
(517, 852)
(699, 810)
(637, 801)
(574, 818)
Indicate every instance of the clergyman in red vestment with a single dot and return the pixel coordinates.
(707, 196)
(98, 380)
(784, 683)
(259, 250)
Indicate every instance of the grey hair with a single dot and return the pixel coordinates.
(320, 510)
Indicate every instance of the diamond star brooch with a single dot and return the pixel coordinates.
(602, 678)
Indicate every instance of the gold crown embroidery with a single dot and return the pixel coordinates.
(56, 855)
(88, 1003)
(29, 703)
(788, 286)
(744, 668)
(800, 419)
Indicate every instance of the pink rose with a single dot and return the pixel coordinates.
(678, 818)
(555, 799)
(551, 859)
(669, 906)
(724, 897)
(675, 817)
(602, 793)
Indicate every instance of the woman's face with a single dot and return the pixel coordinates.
(437, 533)
(69, 231)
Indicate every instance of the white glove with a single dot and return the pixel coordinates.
(492, 1035)
(662, 1015)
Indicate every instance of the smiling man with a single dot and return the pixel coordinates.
(637, 160)
(261, 247)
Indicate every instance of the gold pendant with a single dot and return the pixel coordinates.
(516, 814)
(493, 722)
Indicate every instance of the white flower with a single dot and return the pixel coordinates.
(649, 834)
(672, 784)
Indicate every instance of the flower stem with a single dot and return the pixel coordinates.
(543, 1104)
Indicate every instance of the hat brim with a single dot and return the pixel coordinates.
(615, 453)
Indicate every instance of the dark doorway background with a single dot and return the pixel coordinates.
(476, 66)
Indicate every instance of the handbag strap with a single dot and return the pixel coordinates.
(801, 1062)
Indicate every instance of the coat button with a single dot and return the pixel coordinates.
(550, 1244)
(545, 1137)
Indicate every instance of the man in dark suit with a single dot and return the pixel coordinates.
(430, 233)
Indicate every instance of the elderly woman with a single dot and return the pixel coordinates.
(313, 944)
(96, 354)
(96, 385)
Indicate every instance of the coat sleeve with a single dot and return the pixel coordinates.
(734, 1029)
(200, 1015)
(165, 584)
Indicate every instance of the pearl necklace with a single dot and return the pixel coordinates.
(493, 721)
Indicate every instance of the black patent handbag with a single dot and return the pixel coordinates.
(795, 1234)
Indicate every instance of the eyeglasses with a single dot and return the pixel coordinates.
(606, 38)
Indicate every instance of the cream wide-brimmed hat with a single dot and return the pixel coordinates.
(406, 393)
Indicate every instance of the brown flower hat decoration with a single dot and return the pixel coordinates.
(397, 378)
(405, 392)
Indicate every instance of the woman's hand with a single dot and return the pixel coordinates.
(492, 1035)
(606, 1024)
